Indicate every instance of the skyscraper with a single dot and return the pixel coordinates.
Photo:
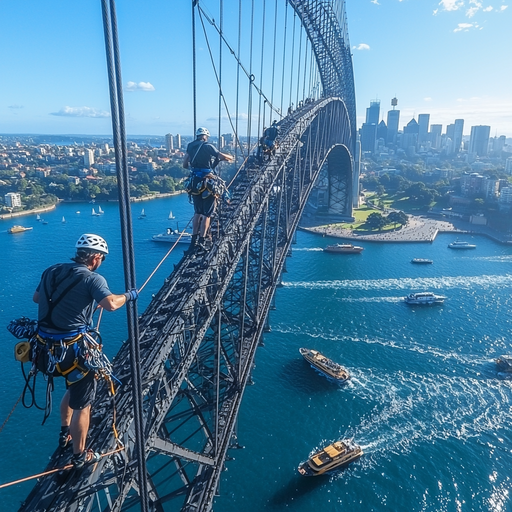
(368, 137)
(393, 121)
(479, 140)
(423, 122)
(373, 113)
(169, 142)
(435, 135)
(178, 141)
(457, 135)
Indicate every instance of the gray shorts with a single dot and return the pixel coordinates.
(82, 392)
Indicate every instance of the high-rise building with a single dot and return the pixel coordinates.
(178, 141)
(435, 135)
(88, 157)
(169, 142)
(373, 113)
(423, 122)
(508, 166)
(479, 140)
(393, 121)
(368, 137)
(356, 175)
(457, 135)
(410, 135)
(382, 131)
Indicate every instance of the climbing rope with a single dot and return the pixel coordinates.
(67, 467)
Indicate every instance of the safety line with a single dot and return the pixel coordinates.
(56, 470)
(10, 414)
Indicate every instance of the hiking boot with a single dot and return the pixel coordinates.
(192, 247)
(79, 460)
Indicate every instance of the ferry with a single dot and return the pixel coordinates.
(172, 236)
(422, 261)
(344, 248)
(335, 456)
(18, 229)
(325, 366)
(460, 244)
(424, 298)
(505, 363)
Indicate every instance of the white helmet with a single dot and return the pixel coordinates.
(93, 242)
(202, 131)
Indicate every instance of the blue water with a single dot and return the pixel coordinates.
(425, 401)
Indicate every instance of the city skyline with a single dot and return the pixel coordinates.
(443, 57)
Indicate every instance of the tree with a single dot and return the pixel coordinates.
(375, 221)
(397, 218)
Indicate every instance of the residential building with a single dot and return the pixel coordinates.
(88, 157)
(12, 199)
(178, 141)
(508, 165)
(457, 135)
(169, 142)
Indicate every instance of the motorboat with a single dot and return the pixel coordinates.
(505, 363)
(422, 261)
(424, 298)
(461, 244)
(324, 365)
(344, 248)
(18, 229)
(172, 236)
(335, 456)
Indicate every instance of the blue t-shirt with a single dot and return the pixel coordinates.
(75, 290)
(203, 155)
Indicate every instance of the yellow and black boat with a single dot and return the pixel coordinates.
(324, 365)
(335, 456)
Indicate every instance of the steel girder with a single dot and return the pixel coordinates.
(198, 339)
(325, 24)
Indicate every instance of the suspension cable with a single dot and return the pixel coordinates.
(239, 62)
(194, 67)
(238, 75)
(284, 53)
(299, 66)
(261, 70)
(293, 57)
(273, 59)
(251, 79)
(118, 127)
(221, 15)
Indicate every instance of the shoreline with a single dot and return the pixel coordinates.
(43, 209)
(419, 229)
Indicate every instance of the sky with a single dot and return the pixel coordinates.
(449, 58)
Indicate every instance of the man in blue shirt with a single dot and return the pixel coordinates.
(202, 158)
(68, 295)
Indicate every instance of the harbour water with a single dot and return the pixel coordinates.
(425, 401)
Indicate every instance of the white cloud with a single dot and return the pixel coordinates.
(361, 46)
(427, 99)
(503, 7)
(141, 86)
(488, 9)
(464, 27)
(451, 5)
(376, 2)
(80, 112)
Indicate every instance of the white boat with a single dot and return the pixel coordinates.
(422, 261)
(344, 248)
(424, 298)
(460, 244)
(38, 217)
(172, 236)
(63, 219)
(324, 365)
(142, 214)
(100, 211)
(78, 211)
(94, 213)
(171, 216)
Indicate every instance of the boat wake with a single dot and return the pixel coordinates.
(483, 281)
(307, 249)
(424, 408)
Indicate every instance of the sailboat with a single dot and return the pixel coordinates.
(142, 214)
(38, 217)
(171, 216)
(100, 211)
(94, 213)
(63, 219)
